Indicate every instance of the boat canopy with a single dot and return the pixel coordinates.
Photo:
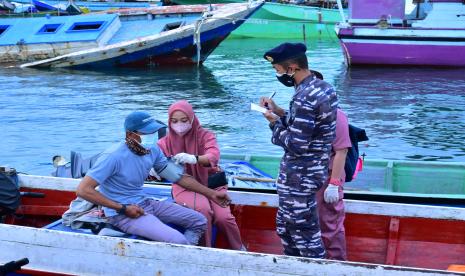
(369, 11)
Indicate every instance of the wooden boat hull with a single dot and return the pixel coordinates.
(276, 20)
(378, 235)
(196, 2)
(177, 46)
(403, 47)
(433, 36)
(101, 5)
(420, 182)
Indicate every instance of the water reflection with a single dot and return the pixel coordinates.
(409, 113)
(44, 113)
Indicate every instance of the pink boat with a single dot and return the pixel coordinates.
(386, 32)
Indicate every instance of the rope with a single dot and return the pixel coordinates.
(197, 41)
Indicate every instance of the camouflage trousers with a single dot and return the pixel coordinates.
(298, 226)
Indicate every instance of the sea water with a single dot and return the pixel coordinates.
(409, 114)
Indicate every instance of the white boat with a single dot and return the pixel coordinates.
(382, 239)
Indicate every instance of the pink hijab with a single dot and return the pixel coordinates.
(197, 141)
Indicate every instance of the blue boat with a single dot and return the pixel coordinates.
(93, 6)
(130, 37)
(44, 6)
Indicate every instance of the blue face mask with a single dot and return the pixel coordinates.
(148, 140)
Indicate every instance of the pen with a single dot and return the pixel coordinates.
(270, 97)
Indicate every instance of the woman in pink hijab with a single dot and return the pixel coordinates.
(189, 143)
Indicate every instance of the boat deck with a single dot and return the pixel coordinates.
(140, 28)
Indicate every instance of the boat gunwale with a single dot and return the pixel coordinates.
(121, 250)
(271, 200)
(245, 157)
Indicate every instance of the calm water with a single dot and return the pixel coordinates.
(414, 114)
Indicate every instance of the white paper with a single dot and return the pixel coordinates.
(258, 108)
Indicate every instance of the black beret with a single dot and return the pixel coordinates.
(284, 52)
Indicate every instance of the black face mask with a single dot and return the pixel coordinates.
(285, 79)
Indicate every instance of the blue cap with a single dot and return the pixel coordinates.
(284, 52)
(142, 122)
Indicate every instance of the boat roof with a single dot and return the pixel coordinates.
(108, 27)
(54, 29)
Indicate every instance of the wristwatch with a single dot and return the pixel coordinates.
(122, 211)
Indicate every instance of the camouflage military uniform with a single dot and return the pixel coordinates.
(306, 134)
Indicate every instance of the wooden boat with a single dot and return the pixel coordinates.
(98, 5)
(5, 5)
(275, 20)
(15, 268)
(382, 238)
(422, 182)
(131, 37)
(381, 33)
(43, 6)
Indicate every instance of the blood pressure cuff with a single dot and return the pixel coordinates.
(171, 172)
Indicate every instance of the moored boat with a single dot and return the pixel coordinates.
(381, 33)
(424, 182)
(276, 20)
(381, 237)
(401, 181)
(131, 37)
(93, 6)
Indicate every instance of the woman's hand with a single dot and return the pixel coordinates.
(185, 158)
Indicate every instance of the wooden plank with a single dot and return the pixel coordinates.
(96, 255)
(41, 210)
(392, 241)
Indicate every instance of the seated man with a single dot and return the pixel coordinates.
(121, 172)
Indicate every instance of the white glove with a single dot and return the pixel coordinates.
(331, 194)
(185, 158)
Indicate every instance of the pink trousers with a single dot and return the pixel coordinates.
(332, 225)
(214, 213)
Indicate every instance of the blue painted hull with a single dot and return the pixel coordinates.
(179, 52)
(43, 7)
(131, 45)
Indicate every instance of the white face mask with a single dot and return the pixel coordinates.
(181, 128)
(148, 140)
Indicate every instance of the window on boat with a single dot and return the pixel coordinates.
(3, 28)
(87, 26)
(49, 28)
(172, 26)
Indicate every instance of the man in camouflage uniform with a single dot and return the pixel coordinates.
(305, 133)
